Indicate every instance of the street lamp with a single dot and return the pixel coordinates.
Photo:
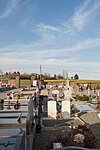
(38, 126)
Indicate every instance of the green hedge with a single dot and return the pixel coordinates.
(82, 98)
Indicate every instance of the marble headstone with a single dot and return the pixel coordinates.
(66, 109)
(52, 109)
(67, 94)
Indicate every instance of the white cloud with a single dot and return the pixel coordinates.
(69, 28)
(88, 44)
(46, 28)
(83, 13)
(24, 57)
(10, 9)
(33, 49)
(89, 70)
(47, 33)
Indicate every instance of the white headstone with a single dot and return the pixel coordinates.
(52, 109)
(34, 83)
(44, 92)
(67, 94)
(66, 109)
(56, 92)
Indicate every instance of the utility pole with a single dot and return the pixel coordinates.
(40, 73)
(40, 80)
(40, 88)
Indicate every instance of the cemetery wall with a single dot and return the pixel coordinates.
(93, 83)
(17, 82)
(12, 82)
(4, 81)
(25, 83)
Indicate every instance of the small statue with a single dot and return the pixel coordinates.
(19, 119)
(17, 105)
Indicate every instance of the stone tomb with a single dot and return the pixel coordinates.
(66, 111)
(52, 109)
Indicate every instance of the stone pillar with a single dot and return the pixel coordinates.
(67, 83)
(17, 82)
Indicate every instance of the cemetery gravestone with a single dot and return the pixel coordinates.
(67, 94)
(66, 109)
(61, 94)
(44, 92)
(52, 109)
(55, 92)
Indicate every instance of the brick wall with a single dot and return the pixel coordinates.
(12, 82)
(25, 83)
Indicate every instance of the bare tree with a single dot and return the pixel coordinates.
(1, 72)
(76, 77)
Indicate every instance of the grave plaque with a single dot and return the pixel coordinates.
(52, 109)
(66, 109)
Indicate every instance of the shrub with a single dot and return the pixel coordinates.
(78, 97)
(85, 98)
(82, 98)
(93, 96)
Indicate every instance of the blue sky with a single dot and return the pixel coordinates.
(56, 34)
